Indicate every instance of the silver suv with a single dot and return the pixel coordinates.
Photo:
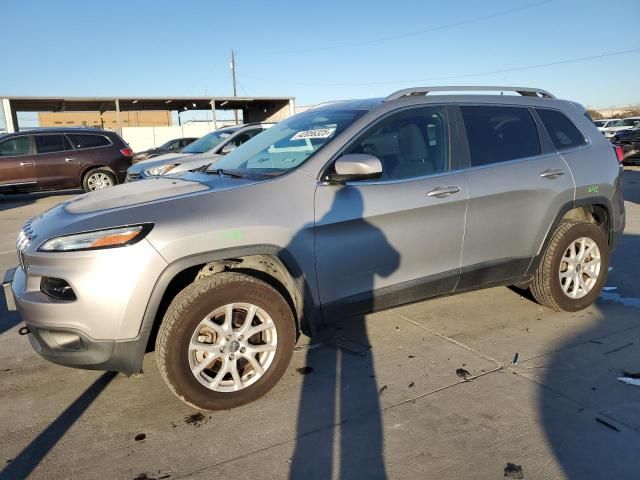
(346, 208)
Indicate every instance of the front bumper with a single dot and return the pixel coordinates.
(101, 329)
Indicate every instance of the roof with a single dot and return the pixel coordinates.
(74, 104)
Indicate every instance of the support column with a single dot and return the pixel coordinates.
(118, 124)
(213, 113)
(292, 107)
(10, 117)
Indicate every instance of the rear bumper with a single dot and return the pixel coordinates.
(616, 228)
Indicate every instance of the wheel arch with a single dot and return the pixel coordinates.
(88, 168)
(269, 263)
(594, 209)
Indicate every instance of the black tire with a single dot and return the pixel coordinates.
(545, 285)
(87, 176)
(184, 314)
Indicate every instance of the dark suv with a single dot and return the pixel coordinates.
(62, 158)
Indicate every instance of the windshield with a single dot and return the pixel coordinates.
(288, 144)
(600, 123)
(166, 145)
(206, 143)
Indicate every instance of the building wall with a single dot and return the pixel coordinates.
(147, 118)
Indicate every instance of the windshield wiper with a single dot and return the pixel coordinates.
(222, 172)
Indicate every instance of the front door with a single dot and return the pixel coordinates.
(16, 162)
(399, 238)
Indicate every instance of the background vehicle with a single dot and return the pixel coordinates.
(200, 153)
(62, 158)
(629, 140)
(604, 123)
(620, 125)
(346, 208)
(174, 145)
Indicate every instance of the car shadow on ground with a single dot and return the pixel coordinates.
(29, 458)
(8, 319)
(17, 200)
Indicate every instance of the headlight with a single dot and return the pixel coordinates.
(161, 170)
(110, 238)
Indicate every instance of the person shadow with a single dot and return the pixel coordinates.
(339, 424)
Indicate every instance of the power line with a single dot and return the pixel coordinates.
(403, 35)
(465, 75)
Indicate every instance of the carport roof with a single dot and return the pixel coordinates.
(76, 104)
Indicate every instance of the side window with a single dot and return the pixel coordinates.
(246, 136)
(499, 134)
(88, 141)
(562, 131)
(411, 143)
(51, 143)
(14, 147)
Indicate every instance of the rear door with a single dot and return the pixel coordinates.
(56, 162)
(399, 238)
(16, 161)
(517, 186)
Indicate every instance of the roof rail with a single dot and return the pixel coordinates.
(524, 91)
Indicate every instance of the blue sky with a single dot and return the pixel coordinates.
(318, 51)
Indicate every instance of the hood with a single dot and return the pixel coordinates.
(156, 162)
(134, 193)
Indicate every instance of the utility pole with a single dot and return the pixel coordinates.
(233, 73)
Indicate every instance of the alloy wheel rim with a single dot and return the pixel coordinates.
(580, 268)
(232, 347)
(98, 181)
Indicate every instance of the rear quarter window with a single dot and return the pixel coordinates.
(88, 141)
(564, 134)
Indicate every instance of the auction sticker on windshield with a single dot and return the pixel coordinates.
(315, 133)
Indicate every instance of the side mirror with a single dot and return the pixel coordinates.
(356, 166)
(228, 148)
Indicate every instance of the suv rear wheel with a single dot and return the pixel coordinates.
(97, 179)
(573, 267)
(225, 341)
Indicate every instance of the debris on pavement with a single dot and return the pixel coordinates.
(609, 289)
(309, 346)
(139, 437)
(513, 471)
(411, 356)
(412, 384)
(607, 424)
(304, 370)
(382, 390)
(196, 419)
(463, 373)
(619, 348)
(516, 357)
(630, 378)
(349, 346)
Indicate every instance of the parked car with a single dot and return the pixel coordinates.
(629, 140)
(347, 208)
(62, 158)
(621, 125)
(604, 123)
(174, 145)
(200, 153)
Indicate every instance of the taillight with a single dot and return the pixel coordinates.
(127, 152)
(619, 153)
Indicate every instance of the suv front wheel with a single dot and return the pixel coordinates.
(225, 340)
(573, 267)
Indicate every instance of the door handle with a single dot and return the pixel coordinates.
(552, 173)
(68, 159)
(24, 164)
(441, 192)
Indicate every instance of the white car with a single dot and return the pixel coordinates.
(202, 152)
(605, 123)
(624, 124)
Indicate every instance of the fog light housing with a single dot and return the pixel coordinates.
(57, 288)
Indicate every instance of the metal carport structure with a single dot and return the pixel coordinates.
(254, 109)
